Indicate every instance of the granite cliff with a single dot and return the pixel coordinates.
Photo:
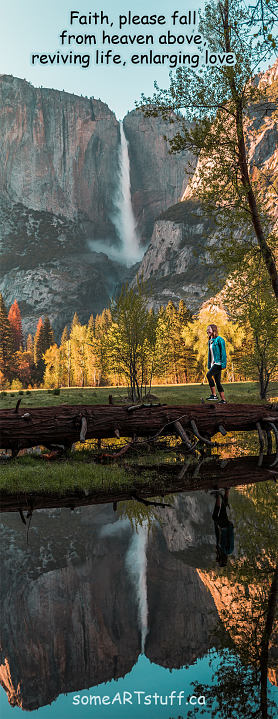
(59, 173)
(176, 264)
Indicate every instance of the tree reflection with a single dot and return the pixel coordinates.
(245, 593)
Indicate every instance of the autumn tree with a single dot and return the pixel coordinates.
(14, 318)
(218, 99)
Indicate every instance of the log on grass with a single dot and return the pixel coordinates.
(65, 424)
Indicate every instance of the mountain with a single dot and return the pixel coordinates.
(60, 156)
(176, 264)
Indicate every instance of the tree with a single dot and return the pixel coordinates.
(130, 340)
(24, 366)
(6, 340)
(44, 338)
(75, 320)
(37, 352)
(263, 17)
(212, 312)
(30, 344)
(52, 373)
(14, 318)
(254, 307)
(173, 359)
(78, 339)
(218, 99)
(247, 590)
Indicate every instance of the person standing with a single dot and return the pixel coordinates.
(217, 361)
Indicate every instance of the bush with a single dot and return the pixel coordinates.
(56, 391)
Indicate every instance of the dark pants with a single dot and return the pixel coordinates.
(220, 519)
(220, 516)
(215, 372)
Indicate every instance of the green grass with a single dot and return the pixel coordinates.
(29, 474)
(79, 471)
(243, 392)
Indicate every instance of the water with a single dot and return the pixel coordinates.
(136, 562)
(123, 217)
(90, 606)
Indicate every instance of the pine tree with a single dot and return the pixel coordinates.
(44, 338)
(48, 334)
(14, 318)
(30, 344)
(6, 339)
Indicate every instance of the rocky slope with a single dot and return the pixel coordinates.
(176, 264)
(59, 170)
(47, 265)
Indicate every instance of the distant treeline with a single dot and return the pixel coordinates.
(127, 344)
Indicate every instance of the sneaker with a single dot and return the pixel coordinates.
(223, 401)
(213, 398)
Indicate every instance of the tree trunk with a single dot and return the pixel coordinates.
(243, 167)
(62, 424)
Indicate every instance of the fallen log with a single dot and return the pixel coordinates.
(162, 480)
(67, 424)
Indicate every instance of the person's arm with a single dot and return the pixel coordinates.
(223, 354)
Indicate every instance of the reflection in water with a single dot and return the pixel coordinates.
(136, 562)
(72, 597)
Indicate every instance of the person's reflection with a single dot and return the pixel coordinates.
(224, 528)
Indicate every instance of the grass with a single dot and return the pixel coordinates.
(30, 474)
(242, 392)
(79, 470)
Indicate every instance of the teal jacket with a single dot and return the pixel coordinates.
(219, 352)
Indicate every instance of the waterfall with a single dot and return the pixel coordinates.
(136, 562)
(123, 218)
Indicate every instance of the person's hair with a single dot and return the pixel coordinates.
(214, 329)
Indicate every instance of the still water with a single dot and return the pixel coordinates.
(108, 603)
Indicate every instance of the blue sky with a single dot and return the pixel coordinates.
(34, 26)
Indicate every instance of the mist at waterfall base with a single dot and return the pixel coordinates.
(136, 563)
(128, 252)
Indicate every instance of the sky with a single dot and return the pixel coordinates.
(34, 26)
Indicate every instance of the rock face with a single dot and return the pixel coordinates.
(59, 165)
(176, 263)
(69, 616)
(47, 265)
(158, 178)
(55, 155)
